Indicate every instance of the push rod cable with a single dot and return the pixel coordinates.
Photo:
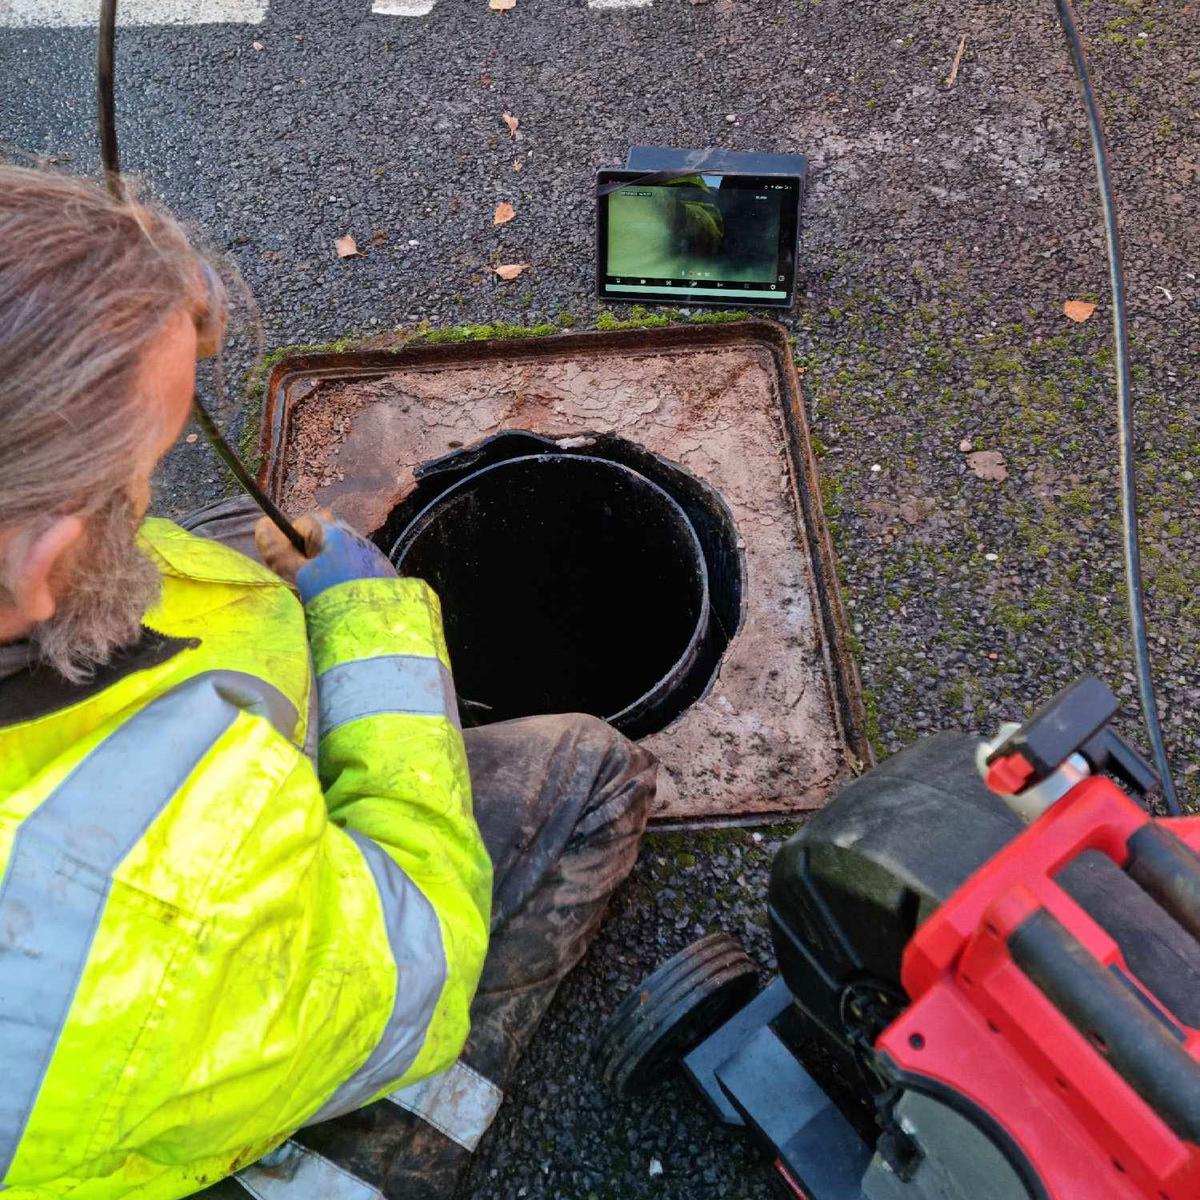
(110, 159)
(1135, 594)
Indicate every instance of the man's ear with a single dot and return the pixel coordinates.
(32, 560)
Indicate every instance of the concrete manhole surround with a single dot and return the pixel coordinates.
(781, 724)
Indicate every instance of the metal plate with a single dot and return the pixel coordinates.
(782, 725)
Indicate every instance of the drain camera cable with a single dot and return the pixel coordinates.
(1129, 527)
(111, 162)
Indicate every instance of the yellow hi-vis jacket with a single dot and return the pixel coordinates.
(207, 939)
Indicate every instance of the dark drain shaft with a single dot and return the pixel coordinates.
(568, 584)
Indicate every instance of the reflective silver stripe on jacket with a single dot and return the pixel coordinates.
(390, 683)
(459, 1102)
(59, 875)
(294, 1172)
(415, 939)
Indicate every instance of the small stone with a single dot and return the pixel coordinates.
(731, 117)
(992, 557)
(656, 1168)
(875, 468)
(413, 242)
(191, 438)
(258, 45)
(966, 445)
(858, 627)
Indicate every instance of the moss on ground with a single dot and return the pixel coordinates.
(686, 850)
(958, 607)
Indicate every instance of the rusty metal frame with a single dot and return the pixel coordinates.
(294, 377)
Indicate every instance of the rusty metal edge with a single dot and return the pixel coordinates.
(843, 670)
(850, 713)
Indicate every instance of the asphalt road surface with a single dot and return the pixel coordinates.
(945, 228)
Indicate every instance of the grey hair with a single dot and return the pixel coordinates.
(88, 282)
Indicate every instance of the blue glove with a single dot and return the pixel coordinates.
(344, 556)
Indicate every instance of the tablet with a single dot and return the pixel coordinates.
(712, 238)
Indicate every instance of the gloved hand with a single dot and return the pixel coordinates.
(336, 554)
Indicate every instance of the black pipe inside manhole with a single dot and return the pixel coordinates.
(570, 581)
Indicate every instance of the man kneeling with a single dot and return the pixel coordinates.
(257, 887)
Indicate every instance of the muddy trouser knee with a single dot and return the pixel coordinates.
(562, 803)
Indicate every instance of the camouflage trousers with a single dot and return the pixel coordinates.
(561, 802)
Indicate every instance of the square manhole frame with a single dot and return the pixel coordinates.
(296, 376)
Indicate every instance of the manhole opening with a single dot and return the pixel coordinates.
(582, 574)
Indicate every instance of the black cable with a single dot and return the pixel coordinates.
(1129, 527)
(110, 158)
(248, 482)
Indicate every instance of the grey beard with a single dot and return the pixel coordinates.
(110, 591)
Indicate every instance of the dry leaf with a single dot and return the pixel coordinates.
(510, 271)
(958, 57)
(379, 237)
(518, 164)
(513, 123)
(504, 214)
(988, 464)
(347, 247)
(1078, 310)
(501, 5)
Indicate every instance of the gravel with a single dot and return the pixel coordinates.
(944, 230)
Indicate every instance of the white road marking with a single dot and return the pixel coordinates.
(403, 8)
(58, 13)
(422, 8)
(66, 13)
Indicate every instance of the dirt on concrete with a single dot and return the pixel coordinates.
(765, 739)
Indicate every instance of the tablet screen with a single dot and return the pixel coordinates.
(716, 238)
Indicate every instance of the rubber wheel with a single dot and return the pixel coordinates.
(674, 1010)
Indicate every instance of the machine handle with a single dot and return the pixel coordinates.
(1141, 1045)
(1168, 870)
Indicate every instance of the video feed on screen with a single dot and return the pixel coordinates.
(710, 235)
